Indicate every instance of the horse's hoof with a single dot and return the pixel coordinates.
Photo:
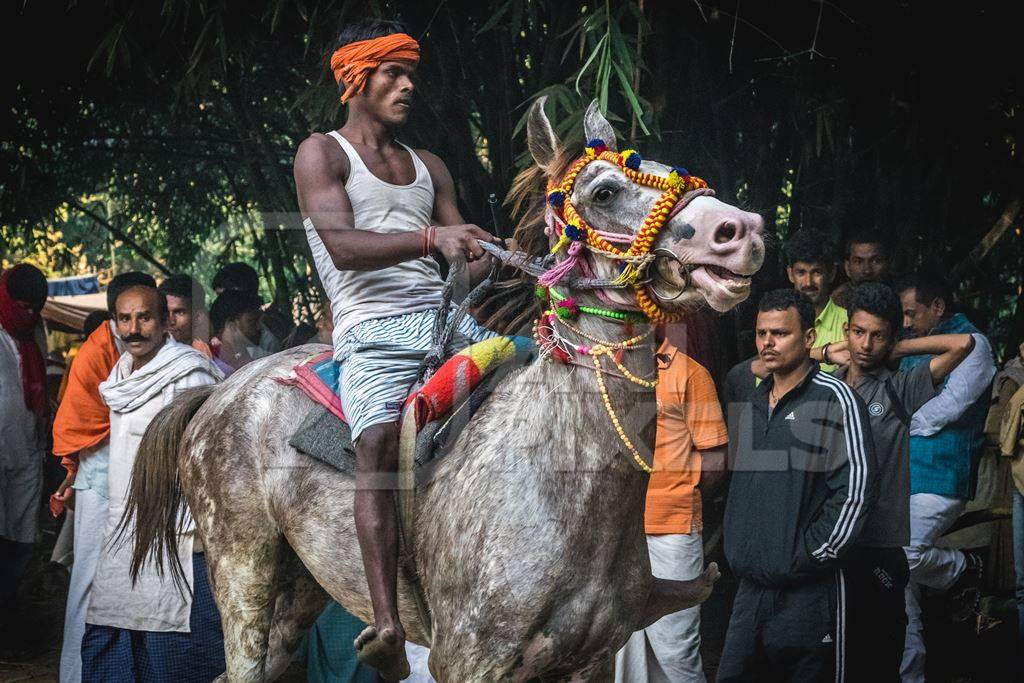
(384, 652)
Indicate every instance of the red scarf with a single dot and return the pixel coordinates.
(21, 323)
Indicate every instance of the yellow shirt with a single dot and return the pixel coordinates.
(828, 327)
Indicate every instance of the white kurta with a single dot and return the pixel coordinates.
(21, 451)
(154, 603)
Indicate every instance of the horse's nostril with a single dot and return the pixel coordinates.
(725, 233)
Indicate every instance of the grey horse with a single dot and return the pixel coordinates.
(529, 535)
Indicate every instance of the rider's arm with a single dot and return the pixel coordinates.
(320, 174)
(446, 209)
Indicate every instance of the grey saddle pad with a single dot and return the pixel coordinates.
(326, 438)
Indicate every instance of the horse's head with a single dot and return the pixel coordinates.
(679, 245)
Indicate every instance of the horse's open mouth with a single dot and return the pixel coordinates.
(707, 273)
(724, 276)
(721, 287)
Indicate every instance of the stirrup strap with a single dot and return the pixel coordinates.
(406, 501)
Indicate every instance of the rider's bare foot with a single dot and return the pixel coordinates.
(384, 651)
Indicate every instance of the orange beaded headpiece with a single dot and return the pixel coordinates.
(673, 188)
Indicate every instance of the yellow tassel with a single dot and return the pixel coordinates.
(629, 275)
(563, 241)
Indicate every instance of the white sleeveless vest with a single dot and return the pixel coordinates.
(379, 206)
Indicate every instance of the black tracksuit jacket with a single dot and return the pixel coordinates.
(803, 480)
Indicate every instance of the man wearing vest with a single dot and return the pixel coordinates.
(945, 445)
(876, 569)
(376, 212)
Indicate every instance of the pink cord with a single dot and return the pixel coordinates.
(614, 236)
(554, 276)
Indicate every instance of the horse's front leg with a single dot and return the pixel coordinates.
(668, 596)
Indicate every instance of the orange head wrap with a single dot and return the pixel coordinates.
(353, 63)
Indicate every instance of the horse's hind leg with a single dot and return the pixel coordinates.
(243, 564)
(299, 602)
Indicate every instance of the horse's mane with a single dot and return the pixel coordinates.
(512, 304)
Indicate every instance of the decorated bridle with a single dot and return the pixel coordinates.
(574, 234)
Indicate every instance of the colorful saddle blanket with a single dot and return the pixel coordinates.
(454, 383)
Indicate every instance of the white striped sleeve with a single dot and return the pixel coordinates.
(845, 510)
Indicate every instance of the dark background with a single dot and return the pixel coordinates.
(176, 123)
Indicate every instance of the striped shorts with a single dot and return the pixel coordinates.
(380, 360)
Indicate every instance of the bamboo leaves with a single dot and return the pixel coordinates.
(609, 71)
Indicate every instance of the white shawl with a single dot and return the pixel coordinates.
(125, 391)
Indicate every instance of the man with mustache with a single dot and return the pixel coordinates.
(376, 214)
(877, 569)
(148, 629)
(81, 432)
(803, 482)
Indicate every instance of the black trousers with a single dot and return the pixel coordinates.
(876, 579)
(786, 634)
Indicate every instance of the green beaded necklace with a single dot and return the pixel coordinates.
(565, 307)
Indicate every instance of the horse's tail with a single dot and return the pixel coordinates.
(155, 502)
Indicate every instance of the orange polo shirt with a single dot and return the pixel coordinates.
(689, 420)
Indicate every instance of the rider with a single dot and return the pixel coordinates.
(375, 213)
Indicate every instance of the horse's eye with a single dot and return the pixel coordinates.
(603, 193)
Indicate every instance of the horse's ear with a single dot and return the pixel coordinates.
(595, 125)
(540, 136)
